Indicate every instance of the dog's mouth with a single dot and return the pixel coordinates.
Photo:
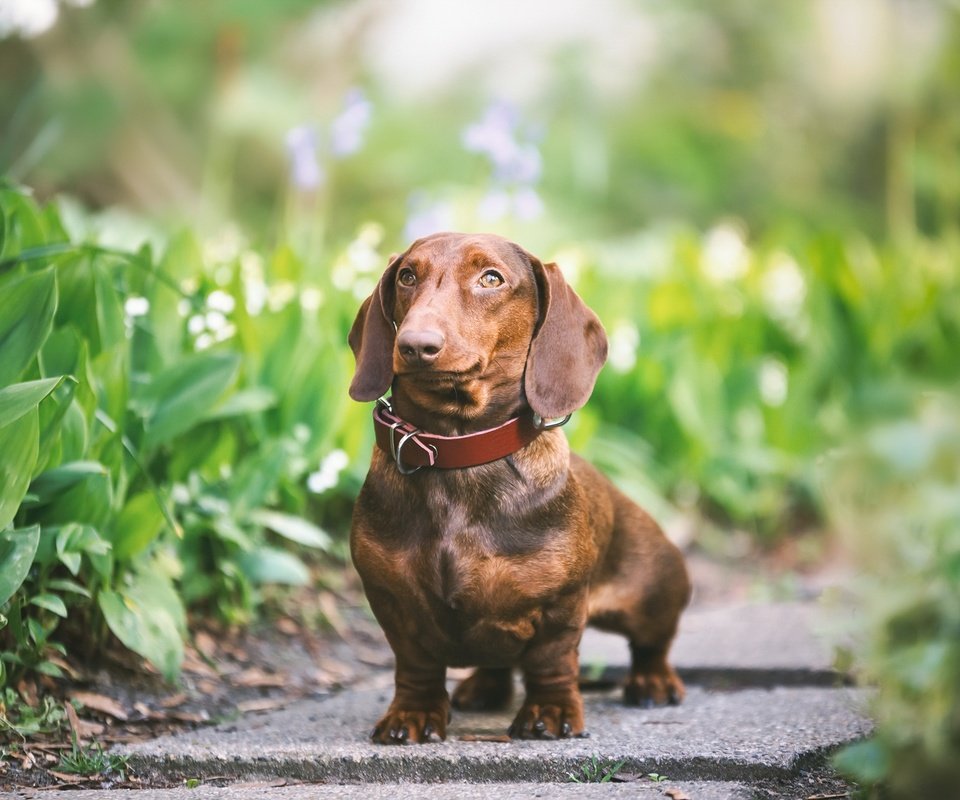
(432, 375)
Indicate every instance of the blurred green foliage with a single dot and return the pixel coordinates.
(894, 495)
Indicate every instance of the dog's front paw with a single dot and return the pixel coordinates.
(657, 687)
(548, 721)
(399, 726)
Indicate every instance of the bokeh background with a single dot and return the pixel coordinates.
(761, 201)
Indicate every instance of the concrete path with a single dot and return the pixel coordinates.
(763, 705)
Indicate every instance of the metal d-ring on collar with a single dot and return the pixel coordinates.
(397, 449)
(403, 441)
(542, 424)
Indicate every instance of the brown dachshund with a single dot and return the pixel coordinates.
(481, 541)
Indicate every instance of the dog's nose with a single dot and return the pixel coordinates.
(421, 347)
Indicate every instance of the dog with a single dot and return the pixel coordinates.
(479, 538)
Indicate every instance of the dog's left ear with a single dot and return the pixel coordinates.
(568, 349)
(371, 339)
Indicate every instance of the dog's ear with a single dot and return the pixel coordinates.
(371, 339)
(568, 349)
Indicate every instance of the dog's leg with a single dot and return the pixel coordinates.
(553, 707)
(652, 681)
(487, 689)
(420, 709)
(642, 589)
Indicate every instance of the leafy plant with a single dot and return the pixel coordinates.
(596, 770)
(24, 720)
(141, 465)
(894, 495)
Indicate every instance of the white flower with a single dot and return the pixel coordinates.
(196, 324)
(329, 473)
(773, 381)
(311, 298)
(136, 306)
(220, 301)
(280, 295)
(784, 288)
(725, 256)
(184, 307)
(624, 341)
(27, 18)
(204, 340)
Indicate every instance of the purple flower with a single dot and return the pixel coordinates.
(527, 203)
(305, 171)
(347, 130)
(426, 217)
(516, 162)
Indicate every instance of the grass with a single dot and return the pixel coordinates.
(596, 770)
(92, 760)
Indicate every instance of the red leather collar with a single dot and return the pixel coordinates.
(412, 448)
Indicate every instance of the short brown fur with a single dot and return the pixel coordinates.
(500, 565)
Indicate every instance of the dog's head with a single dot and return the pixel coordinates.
(458, 308)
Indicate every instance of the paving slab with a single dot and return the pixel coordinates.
(743, 735)
(696, 790)
(777, 644)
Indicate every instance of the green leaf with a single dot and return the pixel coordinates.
(17, 549)
(866, 762)
(89, 501)
(49, 485)
(182, 395)
(65, 585)
(138, 523)
(247, 401)
(18, 399)
(27, 305)
(296, 529)
(50, 602)
(19, 447)
(268, 565)
(148, 619)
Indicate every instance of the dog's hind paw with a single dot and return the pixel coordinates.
(658, 688)
(485, 690)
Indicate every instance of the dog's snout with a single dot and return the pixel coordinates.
(420, 347)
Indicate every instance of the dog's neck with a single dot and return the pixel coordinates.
(457, 409)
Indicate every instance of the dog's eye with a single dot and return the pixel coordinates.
(407, 278)
(491, 279)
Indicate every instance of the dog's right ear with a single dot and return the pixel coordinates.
(371, 339)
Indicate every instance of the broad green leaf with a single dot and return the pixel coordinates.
(53, 410)
(18, 399)
(155, 590)
(27, 305)
(48, 485)
(17, 548)
(50, 602)
(247, 401)
(149, 632)
(256, 479)
(180, 396)
(73, 541)
(268, 565)
(138, 523)
(296, 529)
(109, 308)
(65, 585)
(89, 501)
(19, 446)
